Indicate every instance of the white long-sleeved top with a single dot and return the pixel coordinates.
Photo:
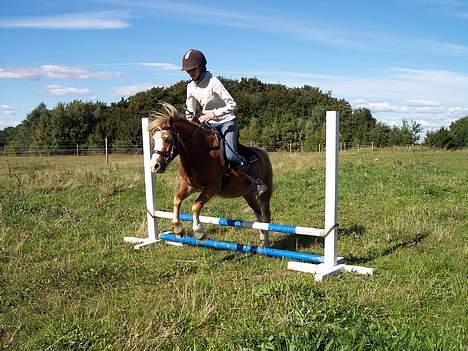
(212, 96)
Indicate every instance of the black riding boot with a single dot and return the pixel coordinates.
(257, 182)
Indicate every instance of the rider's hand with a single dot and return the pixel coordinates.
(206, 117)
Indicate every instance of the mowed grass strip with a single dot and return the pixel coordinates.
(69, 282)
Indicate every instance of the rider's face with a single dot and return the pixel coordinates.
(195, 74)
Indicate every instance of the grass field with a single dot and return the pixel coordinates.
(69, 282)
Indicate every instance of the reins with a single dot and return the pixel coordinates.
(177, 137)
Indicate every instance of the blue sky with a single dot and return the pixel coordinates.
(399, 58)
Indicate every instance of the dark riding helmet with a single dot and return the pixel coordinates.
(193, 59)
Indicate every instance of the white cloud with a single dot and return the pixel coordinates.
(55, 72)
(316, 30)
(7, 110)
(92, 20)
(451, 48)
(378, 106)
(131, 89)
(421, 103)
(60, 90)
(432, 76)
(436, 93)
(161, 65)
(458, 111)
(395, 84)
(8, 123)
(430, 110)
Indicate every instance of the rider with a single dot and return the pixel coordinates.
(218, 110)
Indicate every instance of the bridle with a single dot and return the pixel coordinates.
(176, 140)
(168, 156)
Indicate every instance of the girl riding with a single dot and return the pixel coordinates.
(218, 108)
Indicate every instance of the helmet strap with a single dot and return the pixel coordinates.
(201, 75)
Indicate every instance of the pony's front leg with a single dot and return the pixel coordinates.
(198, 228)
(184, 191)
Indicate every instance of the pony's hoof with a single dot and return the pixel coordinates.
(178, 230)
(199, 235)
(262, 243)
(180, 234)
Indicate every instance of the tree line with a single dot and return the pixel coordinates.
(267, 114)
(453, 137)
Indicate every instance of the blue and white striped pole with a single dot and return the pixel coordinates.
(281, 228)
(258, 250)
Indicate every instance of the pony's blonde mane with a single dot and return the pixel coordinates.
(162, 119)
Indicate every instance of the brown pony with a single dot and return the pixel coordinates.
(203, 168)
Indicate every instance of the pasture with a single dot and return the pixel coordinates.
(69, 282)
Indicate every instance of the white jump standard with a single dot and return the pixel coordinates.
(327, 264)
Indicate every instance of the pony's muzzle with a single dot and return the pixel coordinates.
(156, 168)
(159, 167)
(157, 164)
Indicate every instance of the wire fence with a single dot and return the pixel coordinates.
(85, 150)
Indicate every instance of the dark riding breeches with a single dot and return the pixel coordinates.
(230, 133)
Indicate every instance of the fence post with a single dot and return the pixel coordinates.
(107, 154)
(150, 184)
(331, 188)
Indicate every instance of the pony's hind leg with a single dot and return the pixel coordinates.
(184, 191)
(266, 214)
(258, 209)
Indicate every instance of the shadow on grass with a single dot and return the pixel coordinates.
(298, 242)
(290, 242)
(355, 229)
(373, 254)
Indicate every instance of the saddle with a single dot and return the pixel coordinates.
(248, 153)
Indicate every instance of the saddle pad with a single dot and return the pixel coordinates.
(248, 153)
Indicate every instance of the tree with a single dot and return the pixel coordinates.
(380, 134)
(267, 113)
(454, 137)
(440, 138)
(5, 135)
(459, 132)
(357, 128)
(409, 133)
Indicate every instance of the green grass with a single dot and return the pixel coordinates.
(69, 282)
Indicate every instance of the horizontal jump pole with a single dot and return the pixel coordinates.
(224, 245)
(280, 228)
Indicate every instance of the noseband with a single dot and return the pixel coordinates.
(169, 156)
(175, 138)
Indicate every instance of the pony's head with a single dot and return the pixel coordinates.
(161, 128)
